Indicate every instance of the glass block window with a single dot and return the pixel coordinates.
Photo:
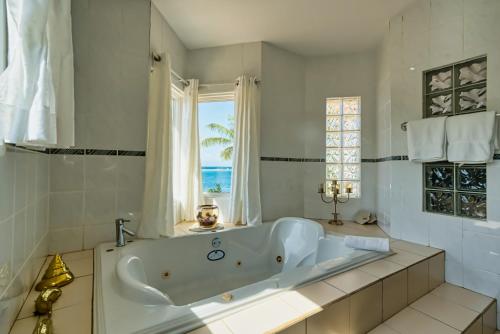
(343, 144)
(454, 189)
(455, 89)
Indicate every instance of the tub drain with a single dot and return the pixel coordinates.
(279, 259)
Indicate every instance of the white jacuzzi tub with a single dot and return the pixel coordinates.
(175, 285)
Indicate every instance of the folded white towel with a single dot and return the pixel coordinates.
(472, 137)
(367, 243)
(427, 139)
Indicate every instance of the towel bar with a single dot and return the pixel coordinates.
(404, 124)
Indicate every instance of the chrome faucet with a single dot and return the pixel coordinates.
(121, 231)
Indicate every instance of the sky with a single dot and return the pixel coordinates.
(213, 112)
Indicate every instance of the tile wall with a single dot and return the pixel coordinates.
(93, 184)
(24, 200)
(432, 33)
(87, 193)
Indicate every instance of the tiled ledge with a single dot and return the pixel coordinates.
(352, 302)
(72, 312)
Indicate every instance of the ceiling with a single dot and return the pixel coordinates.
(306, 27)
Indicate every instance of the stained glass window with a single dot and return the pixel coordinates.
(343, 143)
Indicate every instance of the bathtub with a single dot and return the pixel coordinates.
(175, 285)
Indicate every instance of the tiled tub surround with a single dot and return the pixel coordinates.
(24, 197)
(72, 313)
(353, 302)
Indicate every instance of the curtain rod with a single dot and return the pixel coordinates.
(157, 58)
(404, 125)
(236, 82)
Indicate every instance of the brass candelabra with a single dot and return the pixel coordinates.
(335, 191)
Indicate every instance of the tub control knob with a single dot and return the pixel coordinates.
(216, 242)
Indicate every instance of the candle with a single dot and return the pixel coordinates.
(348, 188)
(321, 188)
(337, 187)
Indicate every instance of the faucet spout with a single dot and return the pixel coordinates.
(121, 230)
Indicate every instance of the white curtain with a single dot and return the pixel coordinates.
(186, 161)
(157, 213)
(245, 208)
(36, 89)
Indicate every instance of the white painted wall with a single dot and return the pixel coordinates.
(337, 76)
(431, 33)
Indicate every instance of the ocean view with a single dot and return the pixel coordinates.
(213, 176)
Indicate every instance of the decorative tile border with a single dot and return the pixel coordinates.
(132, 153)
(290, 159)
(99, 152)
(391, 158)
(92, 151)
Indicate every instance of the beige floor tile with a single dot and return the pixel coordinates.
(299, 328)
(333, 320)
(410, 321)
(381, 268)
(464, 297)
(436, 271)
(24, 326)
(218, 327)
(73, 256)
(311, 299)
(418, 281)
(490, 319)
(81, 266)
(273, 315)
(365, 309)
(383, 329)
(75, 319)
(404, 258)
(445, 311)
(78, 291)
(476, 327)
(415, 248)
(352, 280)
(394, 294)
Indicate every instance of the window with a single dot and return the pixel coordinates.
(455, 189)
(216, 127)
(343, 144)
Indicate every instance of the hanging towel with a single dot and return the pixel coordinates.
(367, 243)
(36, 88)
(427, 139)
(472, 138)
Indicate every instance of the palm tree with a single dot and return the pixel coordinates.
(225, 139)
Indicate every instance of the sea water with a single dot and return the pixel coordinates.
(212, 176)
